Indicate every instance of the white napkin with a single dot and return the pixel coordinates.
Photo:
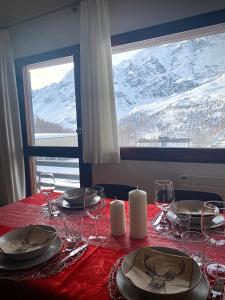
(33, 237)
(161, 273)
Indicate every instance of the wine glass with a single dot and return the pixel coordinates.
(213, 228)
(164, 196)
(46, 186)
(94, 205)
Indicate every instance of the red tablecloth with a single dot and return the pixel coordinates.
(86, 278)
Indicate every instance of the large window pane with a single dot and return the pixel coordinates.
(65, 171)
(51, 103)
(172, 95)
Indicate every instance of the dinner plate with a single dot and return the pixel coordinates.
(200, 292)
(196, 272)
(10, 265)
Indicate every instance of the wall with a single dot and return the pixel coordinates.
(62, 29)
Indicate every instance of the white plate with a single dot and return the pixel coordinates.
(54, 248)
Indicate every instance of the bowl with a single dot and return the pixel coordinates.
(196, 274)
(27, 242)
(75, 197)
(193, 208)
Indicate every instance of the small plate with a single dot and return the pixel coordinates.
(200, 292)
(54, 248)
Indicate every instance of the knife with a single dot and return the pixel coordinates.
(72, 253)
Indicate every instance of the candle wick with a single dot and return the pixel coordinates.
(115, 198)
(137, 187)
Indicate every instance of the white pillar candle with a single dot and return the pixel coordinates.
(138, 213)
(117, 217)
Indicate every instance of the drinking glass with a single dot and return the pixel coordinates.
(194, 243)
(213, 228)
(72, 227)
(164, 196)
(46, 185)
(94, 204)
(180, 223)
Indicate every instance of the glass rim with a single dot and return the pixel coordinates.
(212, 205)
(163, 181)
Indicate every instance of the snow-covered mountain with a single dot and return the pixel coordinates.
(175, 90)
(56, 102)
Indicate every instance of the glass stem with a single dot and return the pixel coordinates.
(96, 227)
(164, 221)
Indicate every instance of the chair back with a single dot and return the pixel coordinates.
(196, 195)
(116, 190)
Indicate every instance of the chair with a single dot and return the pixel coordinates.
(116, 190)
(196, 195)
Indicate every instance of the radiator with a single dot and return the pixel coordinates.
(203, 183)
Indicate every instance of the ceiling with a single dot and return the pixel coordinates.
(12, 11)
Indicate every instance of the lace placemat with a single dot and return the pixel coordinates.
(113, 290)
(44, 270)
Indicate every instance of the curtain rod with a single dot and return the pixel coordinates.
(73, 5)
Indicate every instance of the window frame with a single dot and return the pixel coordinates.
(193, 155)
(51, 151)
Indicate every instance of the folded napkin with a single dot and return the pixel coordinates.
(29, 239)
(157, 272)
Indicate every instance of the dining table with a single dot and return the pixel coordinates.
(92, 276)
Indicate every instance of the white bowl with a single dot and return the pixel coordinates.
(196, 274)
(75, 197)
(27, 242)
(193, 208)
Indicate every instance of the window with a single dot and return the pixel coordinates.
(65, 170)
(173, 94)
(49, 97)
(168, 83)
(51, 103)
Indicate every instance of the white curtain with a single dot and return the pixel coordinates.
(100, 136)
(12, 182)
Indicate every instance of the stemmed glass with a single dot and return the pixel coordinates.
(46, 185)
(213, 228)
(94, 205)
(164, 196)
